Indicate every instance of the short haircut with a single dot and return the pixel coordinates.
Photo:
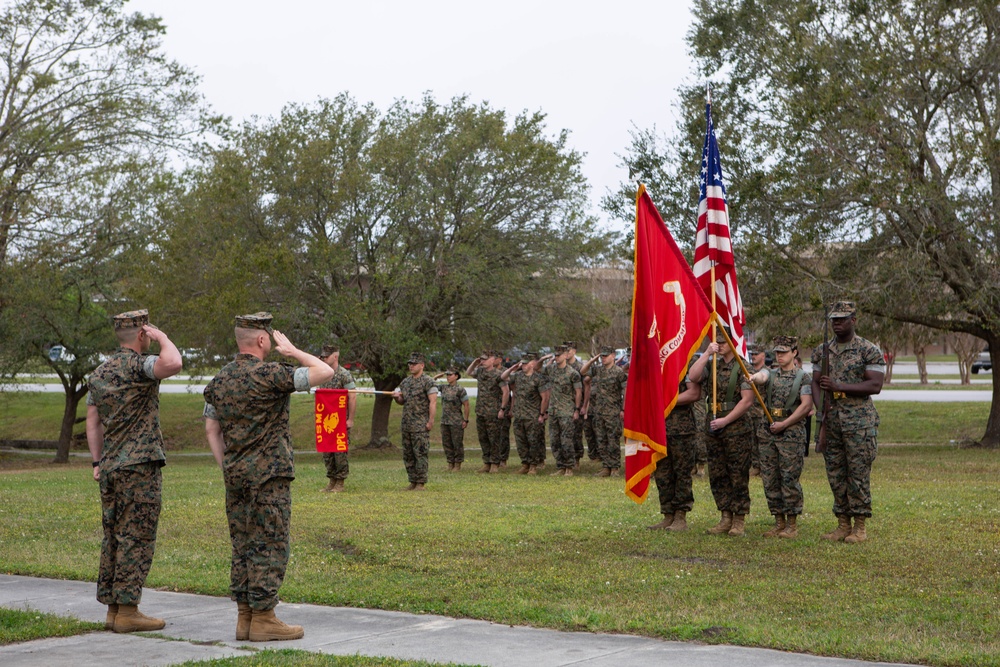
(246, 337)
(127, 336)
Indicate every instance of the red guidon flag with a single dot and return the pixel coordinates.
(670, 316)
(331, 420)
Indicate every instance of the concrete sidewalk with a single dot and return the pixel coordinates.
(202, 627)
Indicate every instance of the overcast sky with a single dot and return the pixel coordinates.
(593, 69)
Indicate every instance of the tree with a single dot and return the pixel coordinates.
(863, 148)
(431, 227)
(85, 90)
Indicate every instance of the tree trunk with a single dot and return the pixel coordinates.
(73, 394)
(991, 439)
(380, 413)
(890, 363)
(921, 353)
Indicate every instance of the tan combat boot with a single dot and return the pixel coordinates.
(779, 525)
(243, 616)
(558, 473)
(739, 526)
(842, 530)
(130, 619)
(330, 486)
(791, 530)
(532, 470)
(680, 521)
(485, 468)
(265, 627)
(858, 534)
(569, 472)
(725, 523)
(418, 487)
(605, 472)
(109, 620)
(700, 470)
(494, 468)
(458, 467)
(451, 466)
(523, 470)
(410, 487)
(668, 519)
(338, 487)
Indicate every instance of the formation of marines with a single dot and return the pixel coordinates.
(247, 428)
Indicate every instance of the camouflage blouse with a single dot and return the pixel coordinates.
(250, 398)
(342, 379)
(607, 390)
(681, 420)
(126, 394)
(490, 394)
(726, 401)
(563, 383)
(417, 392)
(528, 390)
(452, 398)
(848, 363)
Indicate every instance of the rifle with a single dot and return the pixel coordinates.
(827, 394)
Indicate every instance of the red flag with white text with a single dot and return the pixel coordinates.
(331, 420)
(670, 317)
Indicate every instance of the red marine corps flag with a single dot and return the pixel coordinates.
(670, 316)
(331, 420)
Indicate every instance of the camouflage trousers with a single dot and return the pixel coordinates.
(453, 440)
(700, 449)
(781, 459)
(759, 421)
(591, 435)
(130, 512)
(529, 435)
(849, 456)
(562, 430)
(673, 474)
(578, 439)
(259, 519)
(609, 440)
(336, 462)
(729, 469)
(488, 430)
(505, 426)
(416, 445)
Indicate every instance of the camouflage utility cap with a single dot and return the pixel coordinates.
(569, 344)
(784, 343)
(452, 371)
(261, 320)
(133, 319)
(607, 349)
(843, 309)
(528, 356)
(559, 349)
(755, 348)
(416, 358)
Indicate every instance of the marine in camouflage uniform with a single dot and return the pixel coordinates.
(418, 396)
(565, 397)
(246, 421)
(673, 472)
(488, 412)
(788, 394)
(758, 357)
(336, 463)
(454, 418)
(123, 434)
(857, 369)
(577, 365)
(606, 407)
(729, 437)
(531, 397)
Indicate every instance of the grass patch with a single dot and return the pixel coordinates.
(18, 625)
(573, 554)
(929, 423)
(295, 658)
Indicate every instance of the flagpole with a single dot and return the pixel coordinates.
(715, 357)
(746, 373)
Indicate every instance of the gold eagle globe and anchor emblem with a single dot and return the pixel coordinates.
(671, 346)
(330, 422)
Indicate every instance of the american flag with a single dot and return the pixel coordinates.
(713, 244)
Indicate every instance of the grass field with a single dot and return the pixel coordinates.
(572, 553)
(21, 626)
(293, 658)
